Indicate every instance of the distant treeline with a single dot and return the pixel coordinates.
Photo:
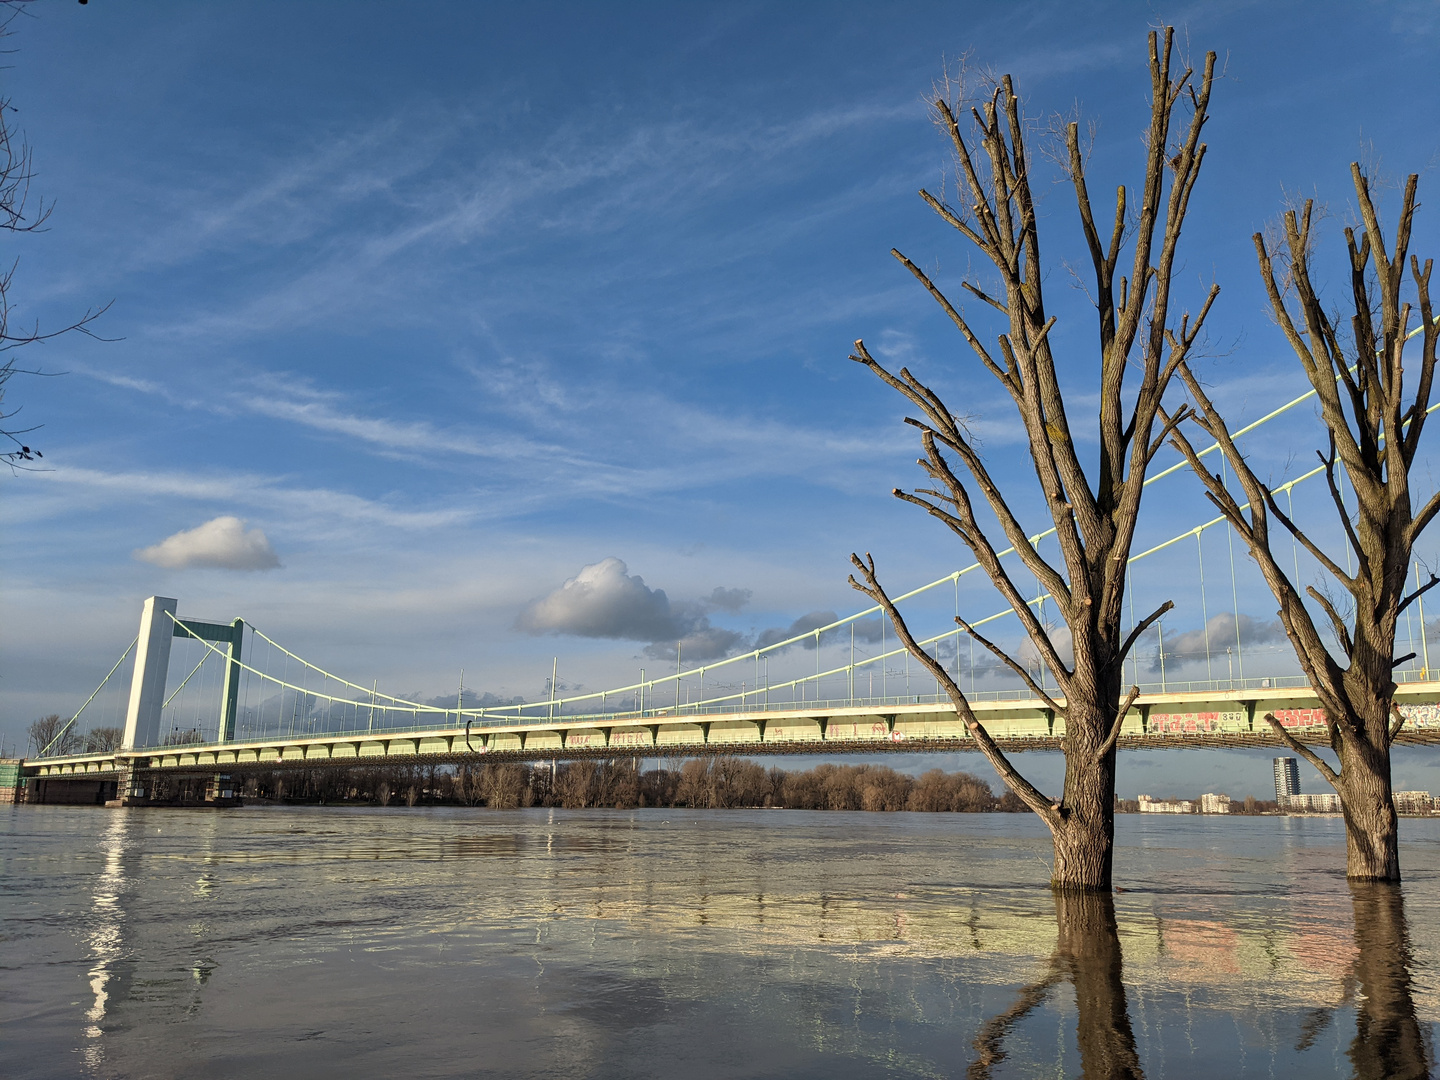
(709, 783)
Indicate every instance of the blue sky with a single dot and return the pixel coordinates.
(452, 301)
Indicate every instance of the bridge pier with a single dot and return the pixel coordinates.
(69, 791)
(130, 788)
(220, 790)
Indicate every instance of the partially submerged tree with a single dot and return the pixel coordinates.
(1094, 511)
(1374, 434)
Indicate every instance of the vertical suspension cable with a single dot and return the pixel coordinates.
(957, 632)
(1204, 610)
(1294, 544)
(1160, 637)
(243, 724)
(1345, 510)
(1134, 653)
(1040, 596)
(1410, 631)
(280, 708)
(1234, 589)
(1424, 640)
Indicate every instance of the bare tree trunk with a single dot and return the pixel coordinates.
(1372, 828)
(1085, 839)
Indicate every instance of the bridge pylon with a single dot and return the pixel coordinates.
(159, 627)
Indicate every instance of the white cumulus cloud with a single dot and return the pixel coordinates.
(222, 542)
(604, 600)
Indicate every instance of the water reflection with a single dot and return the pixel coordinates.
(1389, 1042)
(1087, 955)
(324, 943)
(106, 936)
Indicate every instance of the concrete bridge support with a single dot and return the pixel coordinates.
(152, 665)
(70, 791)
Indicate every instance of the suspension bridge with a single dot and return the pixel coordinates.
(242, 703)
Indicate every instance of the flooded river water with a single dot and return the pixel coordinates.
(321, 942)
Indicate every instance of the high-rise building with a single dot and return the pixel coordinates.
(1287, 778)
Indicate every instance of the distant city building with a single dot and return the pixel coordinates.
(1157, 806)
(1413, 802)
(1312, 804)
(1211, 803)
(1406, 802)
(1287, 778)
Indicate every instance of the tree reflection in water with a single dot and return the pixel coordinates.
(1087, 954)
(1388, 1039)
(1389, 1044)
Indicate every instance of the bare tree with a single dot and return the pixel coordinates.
(1375, 442)
(102, 740)
(55, 734)
(1094, 517)
(18, 215)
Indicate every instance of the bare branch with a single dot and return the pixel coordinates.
(955, 317)
(1109, 744)
(980, 295)
(1342, 632)
(1027, 792)
(1143, 625)
(1397, 725)
(1006, 659)
(1316, 552)
(1421, 591)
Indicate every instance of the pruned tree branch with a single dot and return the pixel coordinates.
(1143, 625)
(1103, 750)
(1397, 725)
(1421, 591)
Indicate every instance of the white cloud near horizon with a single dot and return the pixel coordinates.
(222, 543)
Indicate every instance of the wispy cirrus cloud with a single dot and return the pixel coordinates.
(90, 488)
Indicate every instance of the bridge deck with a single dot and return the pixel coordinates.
(1214, 719)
